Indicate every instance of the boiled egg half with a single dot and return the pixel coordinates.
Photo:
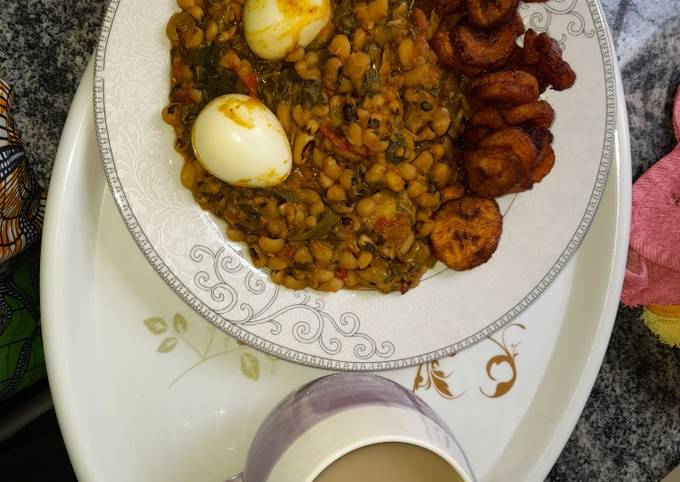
(273, 28)
(240, 141)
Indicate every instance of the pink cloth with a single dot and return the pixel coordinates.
(653, 270)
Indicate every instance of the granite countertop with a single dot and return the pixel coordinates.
(630, 428)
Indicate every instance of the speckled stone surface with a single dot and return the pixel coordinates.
(630, 428)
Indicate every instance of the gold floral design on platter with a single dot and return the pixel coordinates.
(212, 344)
(507, 357)
(429, 375)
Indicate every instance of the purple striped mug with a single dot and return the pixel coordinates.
(332, 416)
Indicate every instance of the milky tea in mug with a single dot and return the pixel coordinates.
(354, 427)
(390, 462)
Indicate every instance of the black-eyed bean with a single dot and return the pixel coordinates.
(358, 39)
(426, 228)
(331, 168)
(407, 244)
(352, 279)
(307, 72)
(331, 72)
(426, 134)
(437, 151)
(340, 46)
(277, 264)
(299, 217)
(408, 172)
(172, 114)
(188, 175)
(227, 34)
(277, 227)
(441, 172)
(311, 126)
(366, 206)
(311, 58)
(196, 95)
(317, 157)
(424, 161)
(310, 221)
(333, 285)
(415, 189)
(301, 115)
(355, 134)
(423, 214)
(406, 53)
(441, 120)
(375, 173)
(310, 196)
(270, 245)
(236, 235)
(373, 142)
(419, 75)
(283, 114)
(346, 179)
(196, 12)
(377, 9)
(317, 208)
(321, 251)
(394, 181)
(325, 181)
(259, 258)
(428, 199)
(294, 284)
(356, 65)
(302, 146)
(278, 277)
(321, 110)
(296, 55)
(324, 275)
(345, 85)
(211, 31)
(303, 255)
(347, 260)
(193, 37)
(336, 194)
(364, 259)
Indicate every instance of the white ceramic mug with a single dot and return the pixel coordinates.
(337, 414)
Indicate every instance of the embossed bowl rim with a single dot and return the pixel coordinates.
(164, 271)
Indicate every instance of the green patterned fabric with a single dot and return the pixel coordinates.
(22, 362)
(22, 205)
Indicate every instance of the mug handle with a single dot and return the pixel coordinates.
(236, 478)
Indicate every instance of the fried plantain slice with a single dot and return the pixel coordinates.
(491, 171)
(545, 160)
(538, 113)
(487, 13)
(466, 232)
(453, 191)
(448, 56)
(473, 135)
(519, 141)
(541, 56)
(530, 53)
(482, 48)
(442, 7)
(541, 136)
(488, 117)
(556, 71)
(507, 88)
(544, 164)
